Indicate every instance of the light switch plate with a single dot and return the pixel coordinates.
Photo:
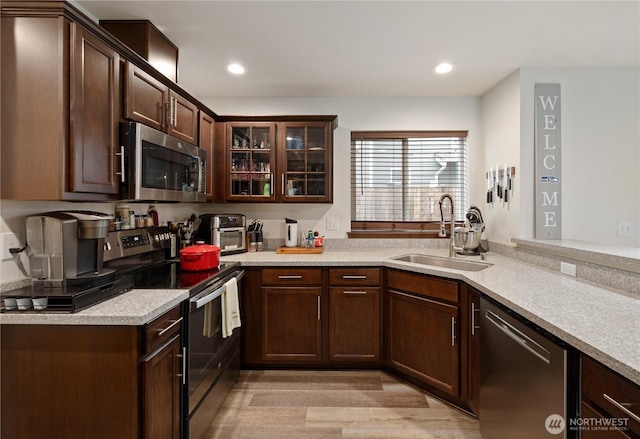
(9, 240)
(625, 228)
(568, 269)
(333, 224)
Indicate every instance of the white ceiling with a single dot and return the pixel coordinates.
(380, 48)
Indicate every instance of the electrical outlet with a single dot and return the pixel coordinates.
(625, 228)
(9, 240)
(568, 269)
(333, 224)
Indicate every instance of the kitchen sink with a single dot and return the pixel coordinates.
(437, 261)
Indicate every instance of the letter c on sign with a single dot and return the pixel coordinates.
(546, 164)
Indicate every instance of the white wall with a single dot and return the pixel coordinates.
(501, 126)
(355, 114)
(600, 152)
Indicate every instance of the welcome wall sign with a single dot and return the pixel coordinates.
(547, 143)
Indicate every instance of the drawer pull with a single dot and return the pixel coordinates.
(290, 276)
(174, 323)
(355, 293)
(354, 276)
(621, 406)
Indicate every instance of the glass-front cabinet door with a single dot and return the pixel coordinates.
(252, 161)
(305, 161)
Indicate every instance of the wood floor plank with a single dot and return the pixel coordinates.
(338, 398)
(376, 417)
(286, 404)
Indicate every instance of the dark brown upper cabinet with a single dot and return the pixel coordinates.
(276, 159)
(60, 109)
(152, 103)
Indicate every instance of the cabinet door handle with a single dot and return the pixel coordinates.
(453, 331)
(171, 104)
(183, 375)
(167, 112)
(271, 183)
(318, 307)
(282, 184)
(121, 154)
(474, 310)
(621, 406)
(354, 276)
(173, 323)
(290, 276)
(175, 112)
(355, 293)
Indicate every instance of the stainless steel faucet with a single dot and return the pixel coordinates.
(443, 233)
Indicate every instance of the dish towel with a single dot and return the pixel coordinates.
(230, 308)
(209, 321)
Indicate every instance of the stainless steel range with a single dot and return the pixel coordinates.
(137, 259)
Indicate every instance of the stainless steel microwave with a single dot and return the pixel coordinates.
(159, 167)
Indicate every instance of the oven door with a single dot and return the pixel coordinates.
(207, 349)
(231, 240)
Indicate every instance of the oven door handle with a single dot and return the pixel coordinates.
(202, 301)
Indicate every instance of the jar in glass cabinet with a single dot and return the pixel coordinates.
(251, 166)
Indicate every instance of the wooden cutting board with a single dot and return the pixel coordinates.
(299, 250)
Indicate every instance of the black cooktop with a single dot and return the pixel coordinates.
(168, 275)
(161, 275)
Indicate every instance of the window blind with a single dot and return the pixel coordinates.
(400, 176)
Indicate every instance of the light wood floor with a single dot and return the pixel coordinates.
(335, 404)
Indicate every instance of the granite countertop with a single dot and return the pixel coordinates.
(601, 323)
(133, 308)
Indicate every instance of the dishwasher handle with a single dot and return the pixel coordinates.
(522, 339)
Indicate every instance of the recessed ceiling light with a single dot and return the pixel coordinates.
(443, 68)
(235, 68)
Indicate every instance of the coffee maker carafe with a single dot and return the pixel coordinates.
(67, 248)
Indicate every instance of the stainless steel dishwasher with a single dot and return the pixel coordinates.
(527, 388)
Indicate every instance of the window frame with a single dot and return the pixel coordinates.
(399, 229)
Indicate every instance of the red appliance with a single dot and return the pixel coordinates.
(200, 257)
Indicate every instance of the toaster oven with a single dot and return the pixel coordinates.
(227, 231)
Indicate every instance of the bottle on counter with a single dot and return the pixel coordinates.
(122, 216)
(153, 215)
(132, 219)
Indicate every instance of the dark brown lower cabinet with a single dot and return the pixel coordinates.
(470, 350)
(291, 324)
(423, 340)
(161, 391)
(91, 381)
(354, 324)
(610, 403)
